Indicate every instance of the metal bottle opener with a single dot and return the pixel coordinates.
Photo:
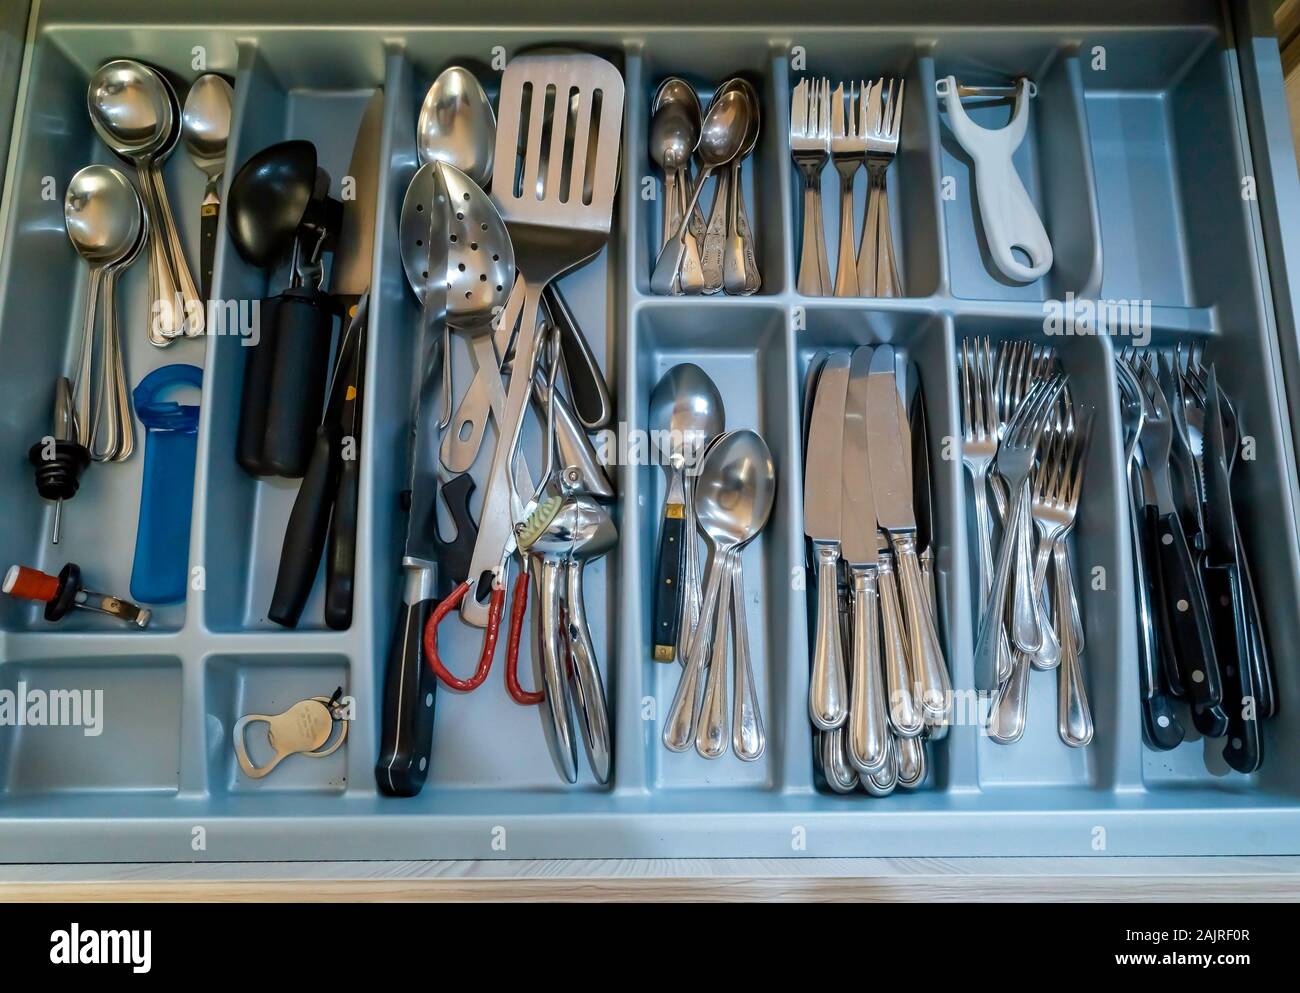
(305, 728)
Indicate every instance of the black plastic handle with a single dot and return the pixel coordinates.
(304, 538)
(410, 689)
(1183, 603)
(209, 224)
(1168, 657)
(303, 330)
(668, 583)
(1244, 748)
(258, 368)
(1163, 729)
(341, 556)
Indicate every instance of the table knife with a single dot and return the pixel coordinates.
(823, 496)
(868, 731)
(889, 448)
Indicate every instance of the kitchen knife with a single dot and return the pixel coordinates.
(868, 731)
(351, 274)
(1243, 750)
(410, 685)
(823, 496)
(889, 449)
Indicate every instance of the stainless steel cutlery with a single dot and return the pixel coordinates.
(879, 682)
(1201, 639)
(851, 129)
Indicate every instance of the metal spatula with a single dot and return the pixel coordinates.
(560, 120)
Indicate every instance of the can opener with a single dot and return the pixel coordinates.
(1009, 216)
(305, 728)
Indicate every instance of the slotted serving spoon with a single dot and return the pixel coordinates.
(442, 202)
(558, 203)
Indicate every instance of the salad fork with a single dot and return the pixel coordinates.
(810, 146)
(848, 153)
(881, 116)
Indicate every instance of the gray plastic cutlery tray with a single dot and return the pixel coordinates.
(1159, 157)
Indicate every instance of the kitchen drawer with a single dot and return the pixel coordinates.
(1159, 157)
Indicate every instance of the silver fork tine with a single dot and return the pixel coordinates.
(967, 387)
(896, 119)
(887, 111)
(825, 123)
(799, 110)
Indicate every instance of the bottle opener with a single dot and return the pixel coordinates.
(305, 728)
(1009, 216)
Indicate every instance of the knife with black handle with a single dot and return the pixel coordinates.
(341, 552)
(1185, 610)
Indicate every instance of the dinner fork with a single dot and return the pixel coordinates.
(1014, 460)
(810, 146)
(848, 152)
(881, 113)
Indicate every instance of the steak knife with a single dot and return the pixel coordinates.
(889, 449)
(1243, 750)
(822, 508)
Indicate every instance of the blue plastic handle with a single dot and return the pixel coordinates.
(162, 539)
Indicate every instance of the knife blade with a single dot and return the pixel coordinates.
(354, 257)
(868, 733)
(823, 497)
(889, 447)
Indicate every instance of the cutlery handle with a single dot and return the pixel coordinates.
(1074, 717)
(341, 552)
(1164, 638)
(1188, 615)
(410, 688)
(810, 283)
(588, 391)
(737, 261)
(259, 366)
(304, 326)
(589, 689)
(868, 242)
(711, 728)
(1164, 731)
(827, 692)
(1264, 689)
(713, 248)
(1026, 615)
(991, 627)
(984, 535)
(1243, 748)
(165, 228)
(910, 755)
(902, 712)
(747, 736)
(669, 595)
(550, 633)
(1011, 706)
(846, 267)
(679, 725)
(930, 671)
(868, 726)
(209, 225)
(1148, 647)
(690, 615)
(836, 767)
(669, 264)
(304, 536)
(887, 281)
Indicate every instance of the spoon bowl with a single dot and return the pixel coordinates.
(130, 108)
(103, 215)
(457, 126)
(686, 407)
(735, 490)
(205, 122)
(725, 129)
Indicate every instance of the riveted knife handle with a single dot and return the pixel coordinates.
(1244, 748)
(209, 226)
(668, 573)
(410, 689)
(828, 691)
(903, 715)
(1168, 657)
(868, 732)
(1189, 620)
(929, 670)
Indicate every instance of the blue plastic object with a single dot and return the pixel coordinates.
(162, 539)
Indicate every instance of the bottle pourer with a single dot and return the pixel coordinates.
(60, 458)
